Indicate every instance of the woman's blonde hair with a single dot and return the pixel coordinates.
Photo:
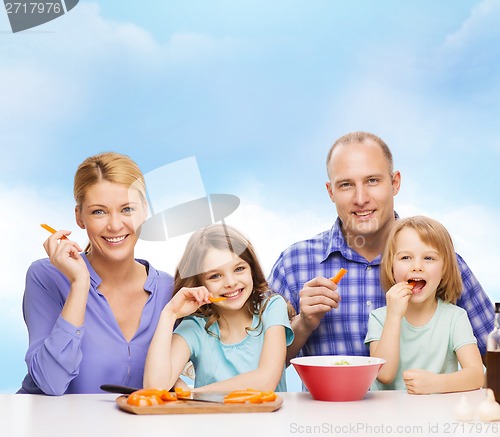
(434, 234)
(222, 237)
(111, 167)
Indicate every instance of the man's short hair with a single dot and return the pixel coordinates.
(361, 137)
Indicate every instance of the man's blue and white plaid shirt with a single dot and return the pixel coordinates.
(342, 331)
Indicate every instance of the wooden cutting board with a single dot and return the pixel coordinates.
(193, 407)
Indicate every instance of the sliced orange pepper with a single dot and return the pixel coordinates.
(150, 396)
(144, 400)
(238, 393)
(268, 396)
(257, 399)
(336, 279)
(168, 396)
(242, 399)
(250, 396)
(182, 393)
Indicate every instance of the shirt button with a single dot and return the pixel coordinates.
(368, 303)
(368, 267)
(78, 332)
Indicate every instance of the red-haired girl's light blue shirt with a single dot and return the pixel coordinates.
(63, 358)
(215, 361)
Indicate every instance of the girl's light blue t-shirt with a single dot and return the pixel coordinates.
(215, 361)
(431, 347)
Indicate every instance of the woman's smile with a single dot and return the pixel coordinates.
(115, 240)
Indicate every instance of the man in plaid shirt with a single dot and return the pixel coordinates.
(331, 319)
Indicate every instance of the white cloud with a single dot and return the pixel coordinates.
(474, 229)
(60, 75)
(468, 59)
(187, 48)
(478, 33)
(92, 45)
(24, 209)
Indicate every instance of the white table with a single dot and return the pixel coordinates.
(389, 413)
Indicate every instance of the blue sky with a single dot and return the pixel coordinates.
(257, 91)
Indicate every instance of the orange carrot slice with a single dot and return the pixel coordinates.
(150, 396)
(52, 230)
(217, 299)
(182, 393)
(250, 396)
(338, 276)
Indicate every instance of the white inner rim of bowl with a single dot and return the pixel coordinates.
(330, 360)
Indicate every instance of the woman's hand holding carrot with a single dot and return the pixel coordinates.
(65, 255)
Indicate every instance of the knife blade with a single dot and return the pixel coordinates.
(214, 397)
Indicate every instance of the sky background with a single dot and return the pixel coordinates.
(257, 92)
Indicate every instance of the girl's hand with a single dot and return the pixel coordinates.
(64, 254)
(186, 301)
(419, 382)
(397, 299)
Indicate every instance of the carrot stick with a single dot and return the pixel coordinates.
(52, 230)
(338, 276)
(216, 299)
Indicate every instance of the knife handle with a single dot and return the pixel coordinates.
(119, 389)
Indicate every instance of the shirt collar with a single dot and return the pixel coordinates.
(337, 243)
(149, 285)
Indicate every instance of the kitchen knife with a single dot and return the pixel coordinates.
(215, 397)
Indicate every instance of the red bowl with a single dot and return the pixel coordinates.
(329, 380)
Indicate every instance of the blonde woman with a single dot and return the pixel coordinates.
(91, 314)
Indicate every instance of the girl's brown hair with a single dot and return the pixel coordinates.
(434, 234)
(222, 237)
(109, 166)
